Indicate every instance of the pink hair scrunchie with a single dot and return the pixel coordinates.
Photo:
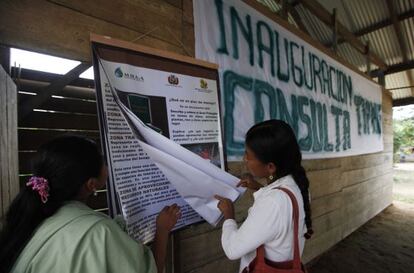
(40, 185)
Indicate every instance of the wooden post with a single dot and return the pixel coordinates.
(5, 58)
(9, 173)
(368, 60)
(381, 78)
(284, 11)
(334, 31)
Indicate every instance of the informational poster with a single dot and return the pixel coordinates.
(160, 124)
(267, 72)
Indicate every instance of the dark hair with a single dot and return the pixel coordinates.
(67, 163)
(274, 141)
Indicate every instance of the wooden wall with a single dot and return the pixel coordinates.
(9, 184)
(346, 192)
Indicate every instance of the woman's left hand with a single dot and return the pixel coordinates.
(225, 205)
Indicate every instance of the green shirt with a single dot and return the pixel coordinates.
(78, 239)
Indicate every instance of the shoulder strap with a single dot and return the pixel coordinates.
(296, 255)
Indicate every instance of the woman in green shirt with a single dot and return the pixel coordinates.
(48, 227)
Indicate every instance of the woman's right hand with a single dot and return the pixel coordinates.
(247, 181)
(168, 217)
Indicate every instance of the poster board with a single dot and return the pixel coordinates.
(175, 96)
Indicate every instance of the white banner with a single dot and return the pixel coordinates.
(269, 73)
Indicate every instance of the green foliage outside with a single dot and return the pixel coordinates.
(403, 135)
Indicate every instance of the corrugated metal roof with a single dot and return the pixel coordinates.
(399, 80)
(408, 32)
(349, 53)
(360, 14)
(404, 5)
(316, 27)
(384, 42)
(276, 7)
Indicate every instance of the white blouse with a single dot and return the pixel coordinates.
(269, 222)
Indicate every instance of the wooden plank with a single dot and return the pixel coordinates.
(188, 15)
(5, 58)
(30, 140)
(3, 144)
(189, 39)
(60, 121)
(326, 222)
(69, 105)
(324, 182)
(358, 212)
(395, 68)
(200, 250)
(12, 146)
(321, 164)
(364, 161)
(318, 245)
(68, 91)
(326, 204)
(8, 141)
(40, 76)
(106, 40)
(359, 175)
(27, 24)
(44, 94)
(222, 265)
(403, 102)
(139, 15)
(298, 19)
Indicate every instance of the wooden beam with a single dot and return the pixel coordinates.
(297, 19)
(403, 102)
(5, 58)
(368, 60)
(61, 28)
(400, 38)
(45, 77)
(45, 93)
(376, 26)
(319, 11)
(396, 68)
(284, 12)
(401, 87)
(9, 180)
(291, 9)
(334, 31)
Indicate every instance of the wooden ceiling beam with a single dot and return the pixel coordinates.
(325, 16)
(396, 68)
(400, 38)
(291, 9)
(44, 94)
(374, 27)
(403, 102)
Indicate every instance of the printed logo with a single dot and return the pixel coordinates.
(203, 84)
(172, 79)
(118, 73)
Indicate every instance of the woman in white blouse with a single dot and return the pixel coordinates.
(272, 152)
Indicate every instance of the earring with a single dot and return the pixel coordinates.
(95, 193)
(270, 177)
